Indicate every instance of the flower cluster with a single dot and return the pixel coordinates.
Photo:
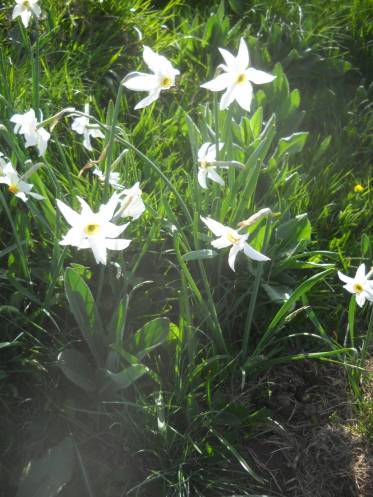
(97, 230)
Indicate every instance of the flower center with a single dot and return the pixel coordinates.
(92, 229)
(13, 189)
(358, 288)
(26, 4)
(233, 238)
(166, 82)
(241, 78)
(204, 164)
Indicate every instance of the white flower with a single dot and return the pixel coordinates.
(228, 237)
(82, 126)
(16, 185)
(359, 285)
(93, 230)
(163, 77)
(130, 203)
(27, 125)
(207, 167)
(113, 177)
(236, 78)
(26, 9)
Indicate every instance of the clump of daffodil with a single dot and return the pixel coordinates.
(93, 230)
(26, 9)
(229, 237)
(359, 285)
(27, 125)
(16, 184)
(236, 78)
(163, 77)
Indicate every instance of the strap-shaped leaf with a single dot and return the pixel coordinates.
(83, 306)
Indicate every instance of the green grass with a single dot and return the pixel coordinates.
(153, 364)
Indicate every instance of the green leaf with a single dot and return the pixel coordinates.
(238, 456)
(284, 310)
(294, 234)
(151, 335)
(196, 255)
(77, 369)
(47, 476)
(125, 378)
(82, 305)
(291, 144)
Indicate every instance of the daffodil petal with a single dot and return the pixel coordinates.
(98, 246)
(228, 97)
(214, 176)
(145, 82)
(243, 55)
(148, 100)
(202, 173)
(72, 217)
(244, 95)
(259, 77)
(360, 273)
(232, 256)
(214, 226)
(254, 254)
(344, 278)
(229, 59)
(221, 242)
(119, 244)
(219, 83)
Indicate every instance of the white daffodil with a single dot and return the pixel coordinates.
(113, 178)
(26, 9)
(16, 185)
(229, 237)
(130, 202)
(359, 285)
(237, 78)
(83, 127)
(93, 229)
(27, 125)
(207, 164)
(163, 77)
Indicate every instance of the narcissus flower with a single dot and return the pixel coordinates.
(113, 177)
(237, 78)
(130, 202)
(359, 285)
(229, 237)
(27, 125)
(163, 77)
(16, 185)
(26, 9)
(83, 127)
(208, 164)
(93, 229)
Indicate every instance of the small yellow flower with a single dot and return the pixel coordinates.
(358, 188)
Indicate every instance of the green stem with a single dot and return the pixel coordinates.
(254, 296)
(111, 138)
